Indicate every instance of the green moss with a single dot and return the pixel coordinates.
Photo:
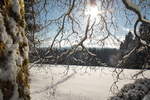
(22, 23)
(22, 45)
(25, 63)
(22, 79)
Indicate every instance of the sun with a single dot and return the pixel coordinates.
(92, 11)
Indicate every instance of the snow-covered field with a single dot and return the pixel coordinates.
(49, 82)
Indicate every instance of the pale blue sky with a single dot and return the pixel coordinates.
(55, 10)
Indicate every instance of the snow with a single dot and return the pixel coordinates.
(135, 8)
(12, 26)
(4, 37)
(139, 89)
(16, 7)
(15, 93)
(50, 82)
(8, 69)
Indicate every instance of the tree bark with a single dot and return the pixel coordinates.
(14, 84)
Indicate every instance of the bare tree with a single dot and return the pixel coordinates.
(85, 23)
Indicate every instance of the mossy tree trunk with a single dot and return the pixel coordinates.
(14, 74)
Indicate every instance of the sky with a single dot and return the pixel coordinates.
(55, 9)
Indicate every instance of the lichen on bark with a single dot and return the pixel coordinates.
(14, 49)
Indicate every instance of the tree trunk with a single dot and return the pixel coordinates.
(14, 74)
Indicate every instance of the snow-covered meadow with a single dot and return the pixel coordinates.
(58, 82)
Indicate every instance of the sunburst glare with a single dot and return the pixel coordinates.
(92, 11)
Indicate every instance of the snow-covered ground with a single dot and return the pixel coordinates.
(49, 82)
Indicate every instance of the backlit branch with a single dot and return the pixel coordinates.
(133, 7)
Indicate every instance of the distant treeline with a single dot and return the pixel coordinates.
(95, 56)
(88, 57)
(131, 54)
